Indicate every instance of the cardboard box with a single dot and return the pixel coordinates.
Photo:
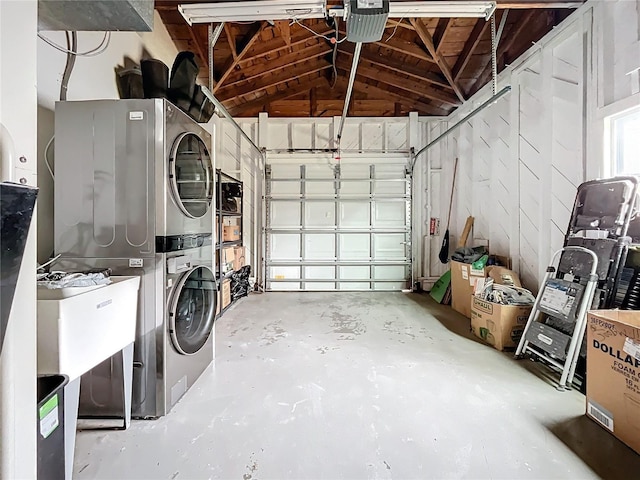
(613, 373)
(239, 257)
(226, 259)
(230, 233)
(218, 303)
(226, 292)
(463, 283)
(499, 325)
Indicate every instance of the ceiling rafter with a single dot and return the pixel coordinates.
(276, 45)
(405, 47)
(231, 39)
(286, 75)
(409, 85)
(289, 60)
(198, 46)
(469, 47)
(251, 38)
(423, 107)
(511, 37)
(441, 32)
(426, 38)
(280, 95)
(393, 64)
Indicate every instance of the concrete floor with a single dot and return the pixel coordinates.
(359, 385)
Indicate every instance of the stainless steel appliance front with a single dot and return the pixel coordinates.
(127, 173)
(174, 338)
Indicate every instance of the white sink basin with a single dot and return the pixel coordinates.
(77, 332)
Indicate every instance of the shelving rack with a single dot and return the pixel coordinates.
(222, 213)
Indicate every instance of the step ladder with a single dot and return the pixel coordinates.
(557, 323)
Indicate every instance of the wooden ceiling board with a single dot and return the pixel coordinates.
(417, 65)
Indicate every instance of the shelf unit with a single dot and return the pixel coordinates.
(223, 212)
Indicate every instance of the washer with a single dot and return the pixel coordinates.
(189, 334)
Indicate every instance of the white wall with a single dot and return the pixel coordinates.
(372, 136)
(92, 78)
(18, 22)
(521, 159)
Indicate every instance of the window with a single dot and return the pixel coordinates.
(626, 143)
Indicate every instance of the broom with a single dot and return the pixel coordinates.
(444, 250)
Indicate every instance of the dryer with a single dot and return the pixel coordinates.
(132, 178)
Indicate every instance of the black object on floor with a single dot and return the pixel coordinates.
(16, 209)
(50, 443)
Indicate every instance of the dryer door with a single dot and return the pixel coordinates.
(192, 310)
(191, 175)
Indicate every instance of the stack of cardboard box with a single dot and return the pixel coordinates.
(499, 325)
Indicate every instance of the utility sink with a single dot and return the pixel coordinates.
(79, 328)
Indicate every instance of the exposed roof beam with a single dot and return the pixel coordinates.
(254, 72)
(469, 47)
(393, 23)
(281, 95)
(276, 45)
(408, 85)
(426, 38)
(231, 39)
(395, 65)
(252, 37)
(441, 31)
(197, 45)
(514, 34)
(286, 75)
(402, 98)
(406, 48)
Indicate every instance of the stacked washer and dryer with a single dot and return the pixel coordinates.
(134, 185)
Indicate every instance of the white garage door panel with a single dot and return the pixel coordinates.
(355, 246)
(343, 227)
(355, 273)
(319, 247)
(284, 247)
(319, 214)
(390, 187)
(390, 215)
(326, 273)
(285, 215)
(355, 214)
(389, 246)
(354, 189)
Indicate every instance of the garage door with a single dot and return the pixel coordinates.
(338, 227)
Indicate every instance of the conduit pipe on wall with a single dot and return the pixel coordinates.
(468, 117)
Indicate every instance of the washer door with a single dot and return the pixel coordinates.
(192, 310)
(191, 175)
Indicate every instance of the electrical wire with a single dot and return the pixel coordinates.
(394, 30)
(49, 262)
(335, 54)
(46, 157)
(295, 20)
(72, 45)
(104, 44)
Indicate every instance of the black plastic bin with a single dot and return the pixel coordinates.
(50, 418)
